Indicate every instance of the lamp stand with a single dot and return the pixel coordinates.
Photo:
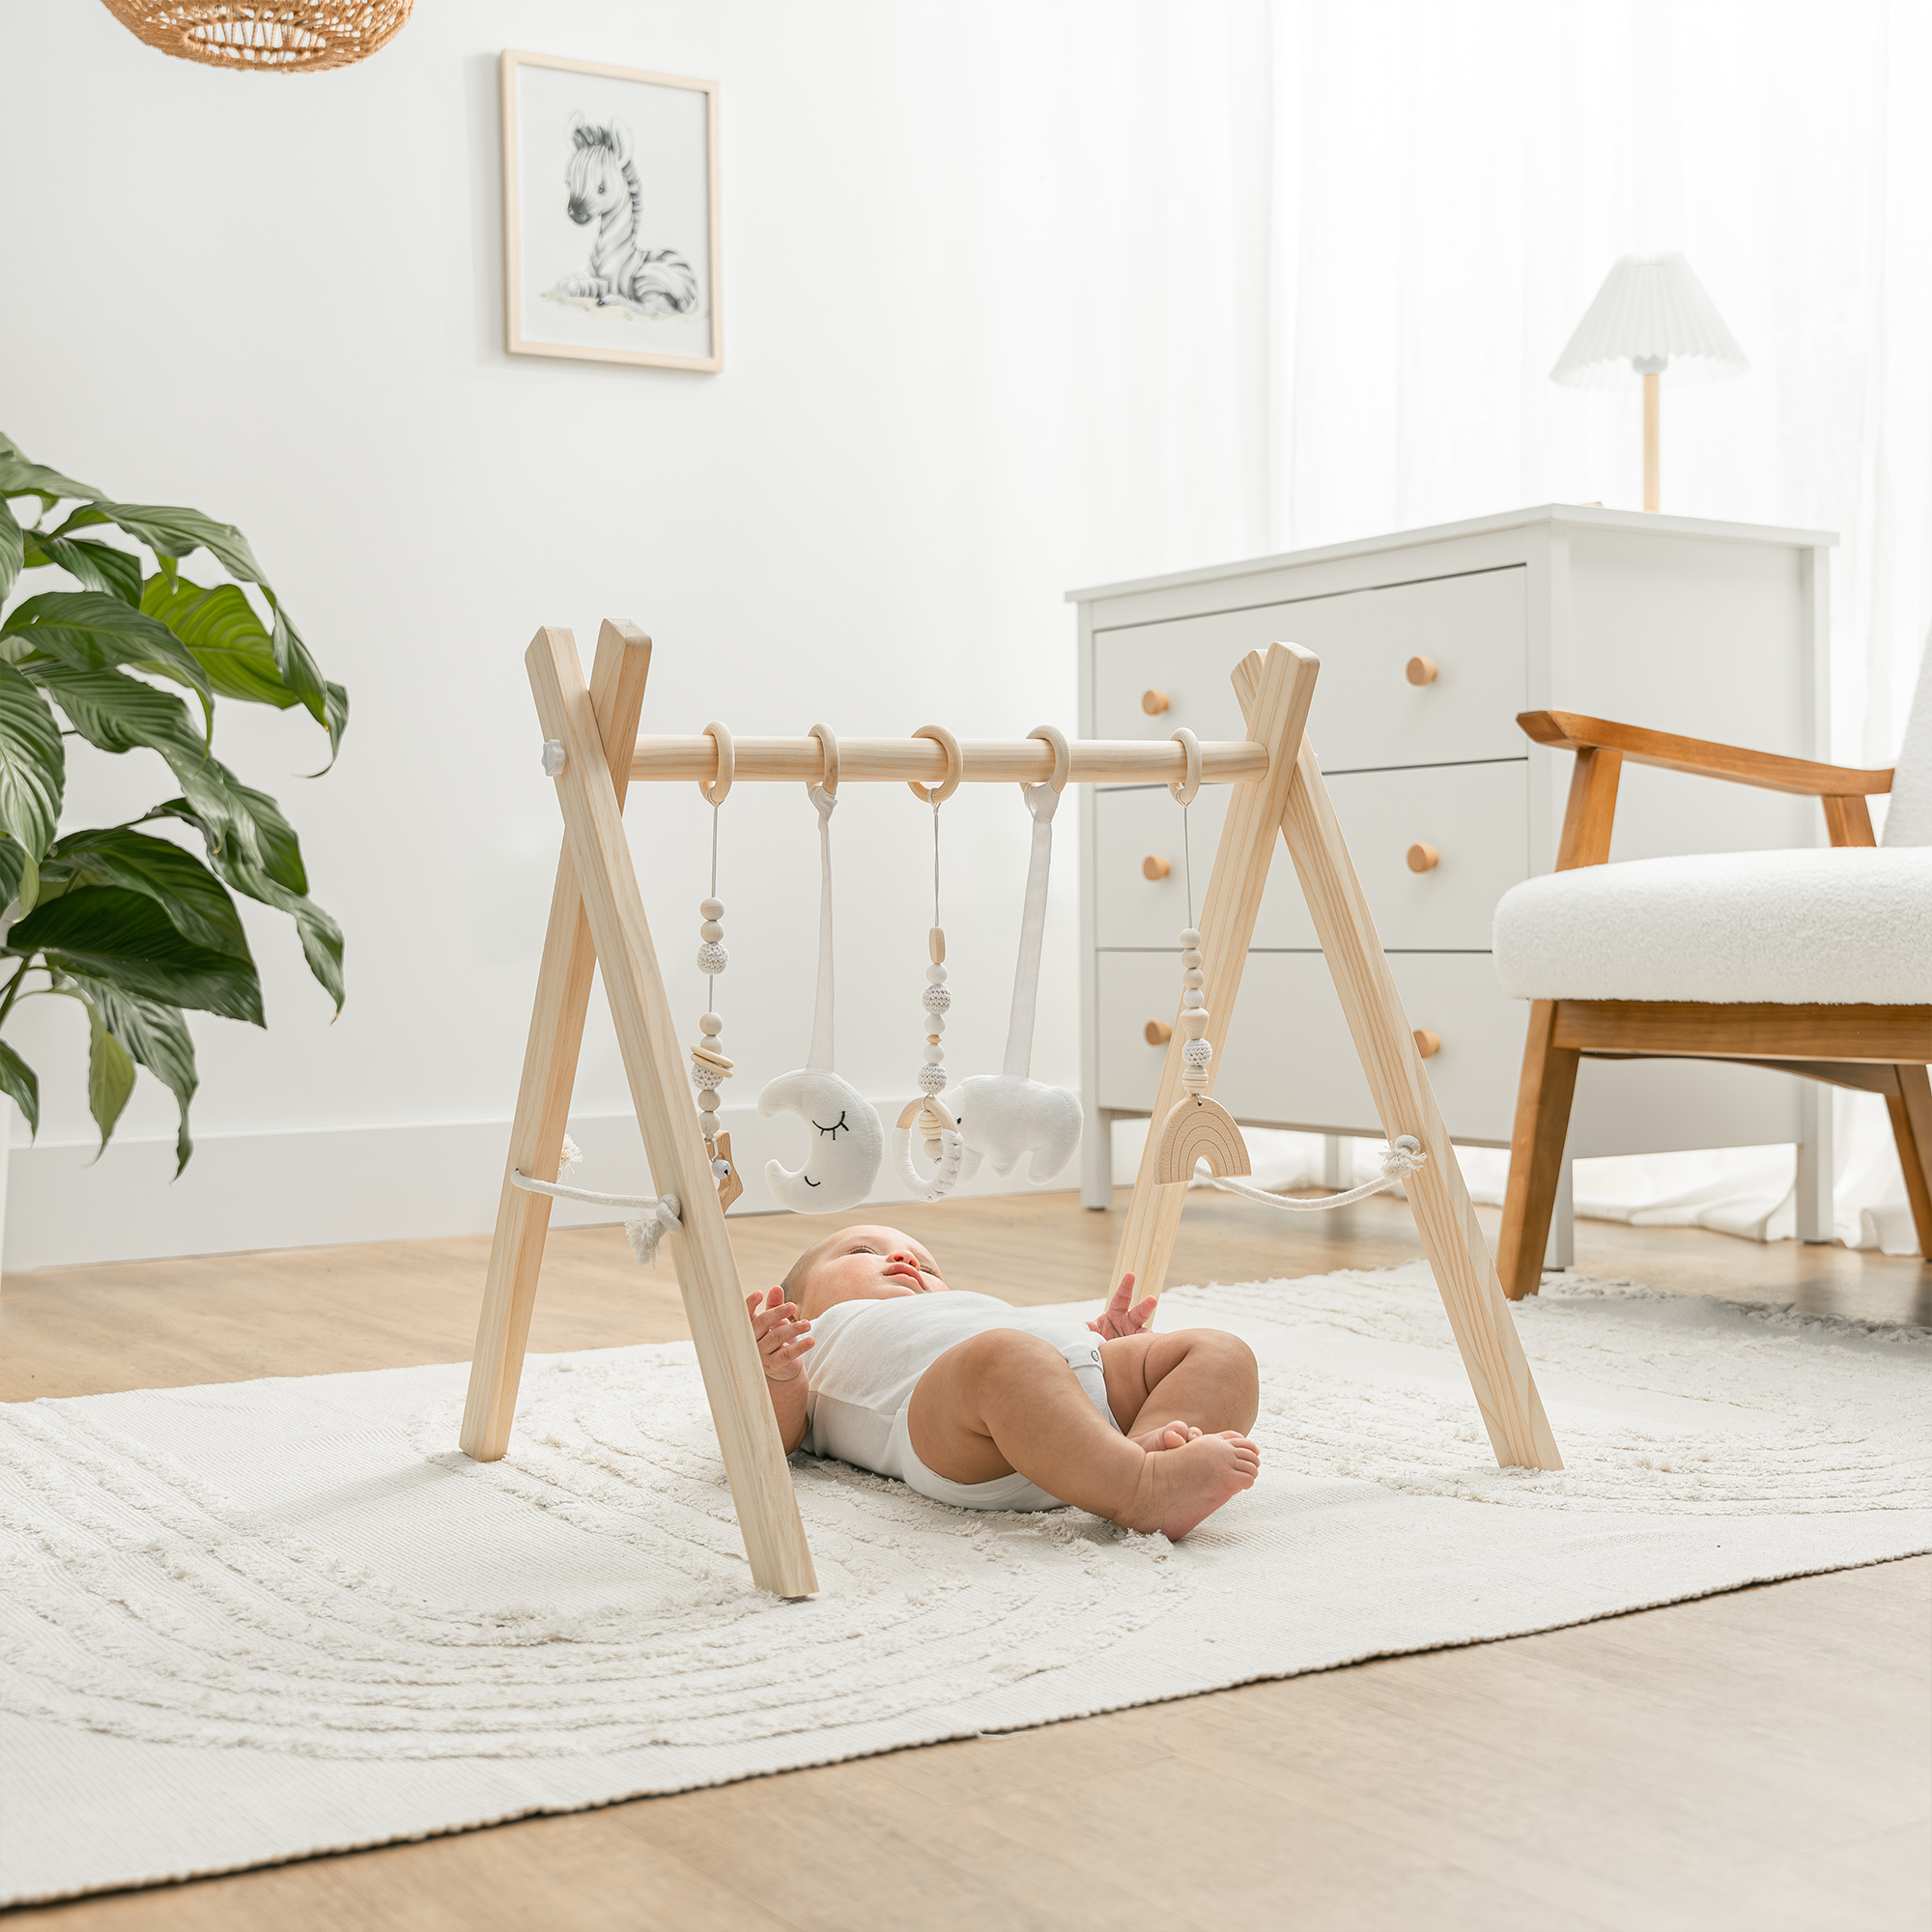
(1650, 439)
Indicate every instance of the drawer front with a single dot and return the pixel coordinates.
(1366, 712)
(1289, 1061)
(1476, 817)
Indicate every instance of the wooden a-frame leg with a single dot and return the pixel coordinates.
(1284, 686)
(1543, 1101)
(1911, 1110)
(617, 678)
(1498, 1371)
(708, 1271)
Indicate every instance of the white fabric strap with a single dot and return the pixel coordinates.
(820, 1055)
(1403, 1156)
(1042, 800)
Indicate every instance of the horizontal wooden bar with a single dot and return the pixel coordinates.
(1698, 1030)
(922, 760)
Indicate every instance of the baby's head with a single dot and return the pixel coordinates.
(864, 1263)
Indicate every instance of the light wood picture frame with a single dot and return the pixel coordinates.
(611, 235)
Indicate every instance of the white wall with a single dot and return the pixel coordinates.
(982, 341)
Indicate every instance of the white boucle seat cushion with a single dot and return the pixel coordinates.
(1826, 927)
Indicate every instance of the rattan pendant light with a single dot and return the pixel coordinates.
(301, 37)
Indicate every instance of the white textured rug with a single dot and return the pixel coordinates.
(243, 1623)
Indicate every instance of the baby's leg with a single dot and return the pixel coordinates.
(1204, 1376)
(1004, 1400)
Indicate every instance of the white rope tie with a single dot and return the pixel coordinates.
(661, 1217)
(1403, 1156)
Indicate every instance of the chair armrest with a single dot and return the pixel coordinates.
(1571, 731)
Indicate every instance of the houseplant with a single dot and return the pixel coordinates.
(129, 921)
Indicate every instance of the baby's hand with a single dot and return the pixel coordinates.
(782, 1338)
(1117, 1318)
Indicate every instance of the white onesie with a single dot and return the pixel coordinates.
(867, 1356)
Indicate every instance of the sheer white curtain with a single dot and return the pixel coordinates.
(1436, 193)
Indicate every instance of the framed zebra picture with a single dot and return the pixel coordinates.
(611, 213)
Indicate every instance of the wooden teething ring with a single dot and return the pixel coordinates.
(727, 761)
(828, 743)
(1062, 757)
(956, 766)
(1183, 791)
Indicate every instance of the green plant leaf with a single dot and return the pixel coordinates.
(158, 1036)
(337, 704)
(110, 1076)
(241, 826)
(321, 937)
(20, 479)
(33, 771)
(299, 670)
(196, 902)
(13, 862)
(118, 713)
(96, 566)
(92, 630)
(18, 1081)
(106, 932)
(170, 530)
(13, 549)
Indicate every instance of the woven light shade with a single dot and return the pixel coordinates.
(1651, 312)
(304, 37)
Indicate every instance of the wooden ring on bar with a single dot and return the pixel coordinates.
(1183, 791)
(727, 761)
(828, 779)
(956, 766)
(1063, 757)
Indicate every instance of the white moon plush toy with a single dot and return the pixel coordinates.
(1006, 1118)
(846, 1137)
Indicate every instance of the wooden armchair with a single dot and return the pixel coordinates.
(1817, 962)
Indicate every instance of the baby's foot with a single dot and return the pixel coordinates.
(1179, 1488)
(1170, 1436)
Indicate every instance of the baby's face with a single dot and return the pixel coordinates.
(864, 1264)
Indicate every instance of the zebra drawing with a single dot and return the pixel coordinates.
(603, 187)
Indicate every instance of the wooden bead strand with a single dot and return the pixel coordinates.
(710, 1066)
(1198, 1053)
(941, 1140)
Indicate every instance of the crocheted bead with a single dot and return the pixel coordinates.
(936, 1000)
(705, 1078)
(712, 959)
(1198, 1052)
(932, 1079)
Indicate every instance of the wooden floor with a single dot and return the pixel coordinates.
(1755, 1761)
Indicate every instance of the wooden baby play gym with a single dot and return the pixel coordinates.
(594, 752)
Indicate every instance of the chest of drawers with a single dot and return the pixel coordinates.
(1715, 630)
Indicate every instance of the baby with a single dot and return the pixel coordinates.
(984, 1405)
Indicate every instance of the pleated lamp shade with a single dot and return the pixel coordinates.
(1651, 313)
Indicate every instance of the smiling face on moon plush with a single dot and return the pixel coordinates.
(847, 1142)
(1004, 1116)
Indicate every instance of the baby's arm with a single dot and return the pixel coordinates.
(782, 1340)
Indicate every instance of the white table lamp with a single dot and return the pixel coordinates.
(1652, 312)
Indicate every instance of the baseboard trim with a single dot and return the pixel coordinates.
(324, 1188)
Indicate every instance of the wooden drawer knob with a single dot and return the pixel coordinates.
(1158, 1033)
(1423, 858)
(1154, 702)
(1428, 1044)
(1154, 867)
(1420, 671)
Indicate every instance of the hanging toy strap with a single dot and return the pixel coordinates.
(1042, 800)
(824, 797)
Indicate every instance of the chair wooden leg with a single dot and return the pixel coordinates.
(1911, 1110)
(1543, 1101)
